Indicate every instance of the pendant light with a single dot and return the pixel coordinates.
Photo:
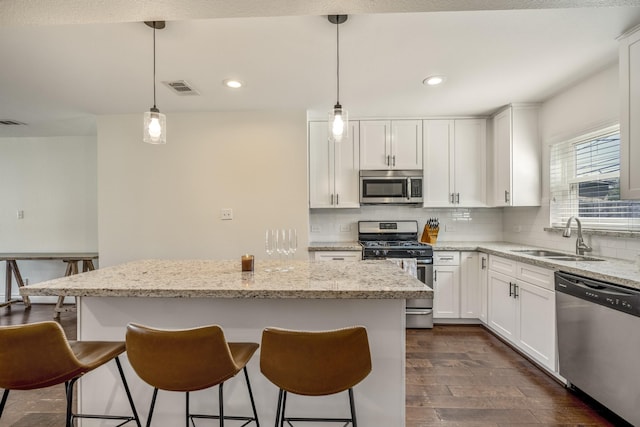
(155, 123)
(338, 117)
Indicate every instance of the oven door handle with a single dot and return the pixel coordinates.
(412, 312)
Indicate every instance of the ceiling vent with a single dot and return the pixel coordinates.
(181, 87)
(11, 123)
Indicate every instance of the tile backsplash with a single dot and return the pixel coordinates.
(460, 224)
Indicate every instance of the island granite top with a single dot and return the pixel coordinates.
(223, 279)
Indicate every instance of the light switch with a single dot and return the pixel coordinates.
(20, 214)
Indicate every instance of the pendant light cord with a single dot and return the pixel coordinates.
(154, 64)
(338, 59)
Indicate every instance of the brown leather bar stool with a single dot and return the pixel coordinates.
(188, 360)
(38, 355)
(315, 364)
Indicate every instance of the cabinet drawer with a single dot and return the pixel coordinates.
(503, 265)
(536, 275)
(446, 258)
(338, 256)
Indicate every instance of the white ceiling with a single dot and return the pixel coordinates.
(61, 66)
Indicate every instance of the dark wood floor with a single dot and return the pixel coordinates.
(457, 376)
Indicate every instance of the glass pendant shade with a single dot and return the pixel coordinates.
(155, 127)
(338, 123)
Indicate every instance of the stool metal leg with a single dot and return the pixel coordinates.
(5, 394)
(153, 404)
(253, 403)
(126, 389)
(284, 404)
(220, 400)
(353, 408)
(187, 408)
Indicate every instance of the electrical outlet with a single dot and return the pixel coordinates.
(316, 229)
(20, 214)
(226, 214)
(345, 228)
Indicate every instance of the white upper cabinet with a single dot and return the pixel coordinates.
(390, 144)
(516, 172)
(454, 163)
(333, 168)
(630, 115)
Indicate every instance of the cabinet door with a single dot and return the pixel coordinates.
(469, 286)
(630, 111)
(483, 271)
(469, 148)
(320, 166)
(537, 323)
(406, 144)
(502, 305)
(347, 169)
(502, 158)
(438, 163)
(375, 144)
(446, 292)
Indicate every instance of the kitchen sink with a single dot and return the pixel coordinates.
(556, 256)
(539, 252)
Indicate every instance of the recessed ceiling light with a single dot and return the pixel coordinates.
(232, 83)
(433, 80)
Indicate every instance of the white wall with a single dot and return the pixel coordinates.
(165, 201)
(588, 105)
(53, 180)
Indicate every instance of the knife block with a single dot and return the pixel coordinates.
(429, 235)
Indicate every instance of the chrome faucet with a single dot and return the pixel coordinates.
(581, 246)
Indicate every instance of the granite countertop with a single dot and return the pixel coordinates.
(223, 279)
(334, 246)
(618, 271)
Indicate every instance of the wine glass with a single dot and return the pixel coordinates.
(269, 244)
(293, 244)
(283, 245)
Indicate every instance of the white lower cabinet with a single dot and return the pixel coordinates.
(470, 292)
(446, 285)
(483, 277)
(456, 290)
(523, 312)
(337, 255)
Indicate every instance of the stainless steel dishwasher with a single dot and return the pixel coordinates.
(599, 341)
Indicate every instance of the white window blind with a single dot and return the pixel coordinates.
(585, 182)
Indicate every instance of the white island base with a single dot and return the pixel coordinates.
(380, 398)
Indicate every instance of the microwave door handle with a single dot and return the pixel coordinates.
(408, 192)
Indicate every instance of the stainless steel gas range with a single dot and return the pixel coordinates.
(399, 240)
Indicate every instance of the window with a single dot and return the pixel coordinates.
(585, 182)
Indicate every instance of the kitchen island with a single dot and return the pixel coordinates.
(188, 293)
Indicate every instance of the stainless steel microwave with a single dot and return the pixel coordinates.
(395, 187)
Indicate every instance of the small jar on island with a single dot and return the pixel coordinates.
(247, 262)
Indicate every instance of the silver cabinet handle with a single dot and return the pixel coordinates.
(394, 160)
(458, 198)
(388, 160)
(446, 258)
(452, 199)
(331, 199)
(506, 196)
(435, 275)
(510, 289)
(337, 199)
(337, 259)
(484, 263)
(515, 290)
